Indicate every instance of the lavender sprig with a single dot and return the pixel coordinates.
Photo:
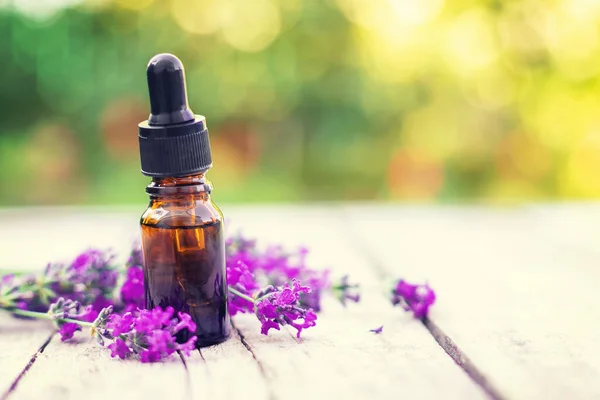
(275, 266)
(68, 316)
(247, 270)
(15, 292)
(414, 298)
(346, 291)
(151, 334)
(91, 278)
(279, 306)
(148, 333)
(242, 284)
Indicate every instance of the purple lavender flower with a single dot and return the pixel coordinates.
(6, 284)
(239, 249)
(241, 279)
(100, 303)
(377, 330)
(67, 309)
(280, 267)
(274, 266)
(319, 282)
(150, 333)
(415, 298)
(135, 257)
(120, 324)
(132, 291)
(94, 268)
(239, 244)
(279, 306)
(89, 277)
(119, 348)
(67, 330)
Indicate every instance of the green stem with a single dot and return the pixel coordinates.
(242, 295)
(39, 315)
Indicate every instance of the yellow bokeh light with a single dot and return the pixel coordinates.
(519, 28)
(582, 10)
(470, 45)
(580, 177)
(388, 57)
(198, 17)
(572, 41)
(562, 116)
(369, 14)
(511, 191)
(494, 89)
(413, 12)
(393, 37)
(250, 25)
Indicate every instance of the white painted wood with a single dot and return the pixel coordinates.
(32, 237)
(340, 357)
(19, 341)
(226, 371)
(86, 371)
(516, 292)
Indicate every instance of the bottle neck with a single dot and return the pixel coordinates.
(196, 186)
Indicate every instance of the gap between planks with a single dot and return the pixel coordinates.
(340, 357)
(87, 370)
(444, 341)
(499, 273)
(21, 343)
(316, 358)
(221, 365)
(15, 382)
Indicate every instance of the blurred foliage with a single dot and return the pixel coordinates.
(308, 100)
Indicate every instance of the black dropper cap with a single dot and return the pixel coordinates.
(173, 142)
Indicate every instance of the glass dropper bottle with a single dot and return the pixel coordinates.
(182, 230)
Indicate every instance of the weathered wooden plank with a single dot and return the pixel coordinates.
(567, 225)
(32, 237)
(85, 370)
(340, 357)
(514, 295)
(20, 344)
(78, 370)
(73, 231)
(226, 371)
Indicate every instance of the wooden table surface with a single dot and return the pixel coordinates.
(516, 315)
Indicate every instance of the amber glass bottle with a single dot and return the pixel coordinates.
(182, 229)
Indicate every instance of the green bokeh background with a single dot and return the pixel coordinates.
(312, 100)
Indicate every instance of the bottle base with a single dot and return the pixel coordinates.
(207, 342)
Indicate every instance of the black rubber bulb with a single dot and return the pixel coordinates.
(168, 95)
(173, 141)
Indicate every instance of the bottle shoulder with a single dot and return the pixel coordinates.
(181, 213)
